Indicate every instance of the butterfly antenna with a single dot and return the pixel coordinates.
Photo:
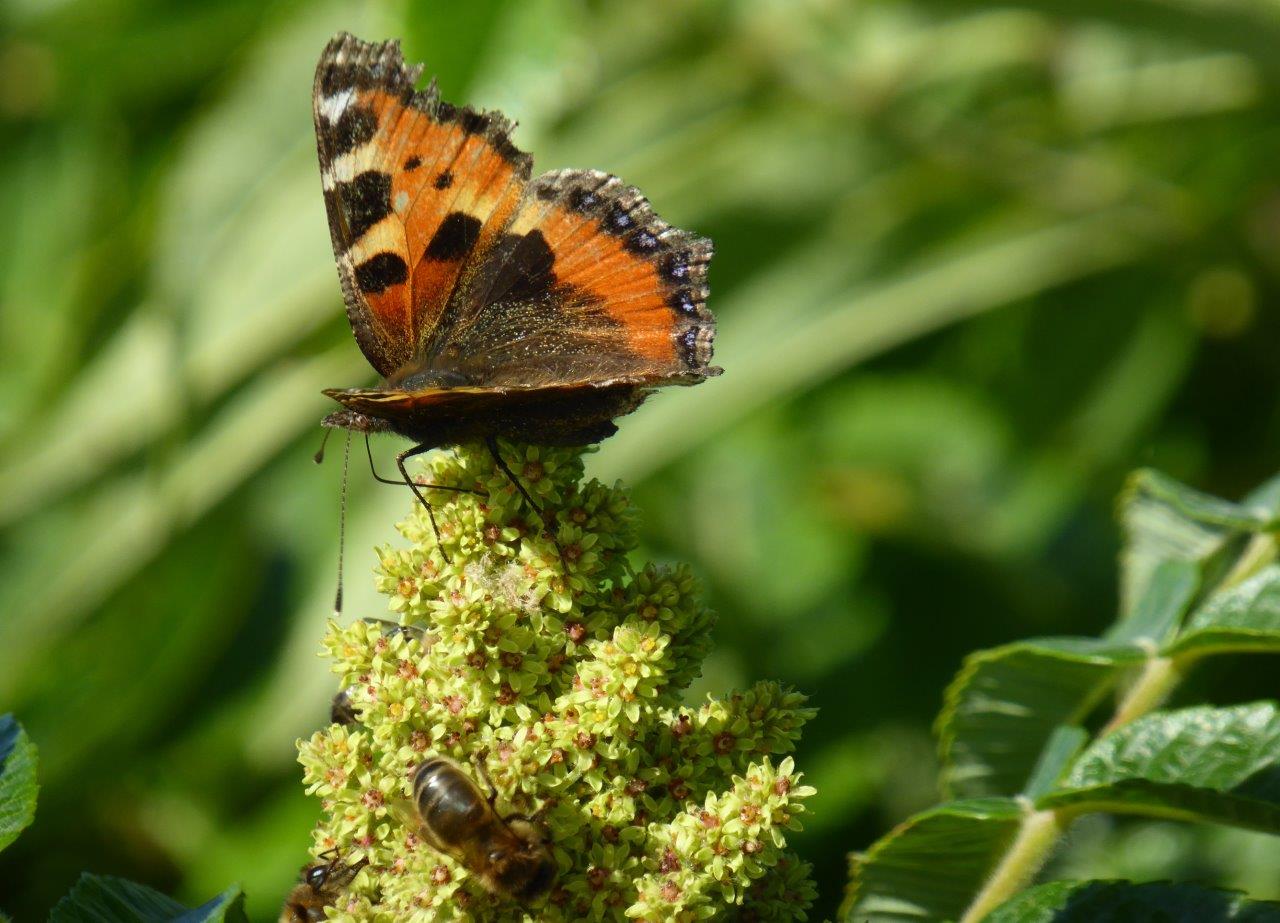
(319, 456)
(413, 485)
(342, 522)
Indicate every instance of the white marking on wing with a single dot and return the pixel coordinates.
(347, 167)
(332, 107)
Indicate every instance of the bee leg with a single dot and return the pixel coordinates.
(477, 760)
(431, 514)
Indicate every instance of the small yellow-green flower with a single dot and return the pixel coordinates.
(539, 650)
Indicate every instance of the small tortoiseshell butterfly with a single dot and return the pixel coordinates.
(492, 304)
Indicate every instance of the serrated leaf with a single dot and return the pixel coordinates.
(17, 780)
(1164, 520)
(1124, 902)
(1218, 765)
(104, 899)
(1005, 703)
(1243, 618)
(930, 867)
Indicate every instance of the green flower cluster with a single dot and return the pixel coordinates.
(538, 651)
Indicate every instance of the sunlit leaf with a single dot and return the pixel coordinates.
(1220, 765)
(1244, 618)
(1167, 521)
(1005, 703)
(17, 780)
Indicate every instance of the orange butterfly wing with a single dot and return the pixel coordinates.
(459, 272)
(588, 285)
(412, 186)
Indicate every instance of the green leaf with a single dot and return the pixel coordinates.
(17, 780)
(1164, 520)
(103, 899)
(1205, 764)
(1165, 599)
(1123, 902)
(1243, 618)
(905, 876)
(1005, 703)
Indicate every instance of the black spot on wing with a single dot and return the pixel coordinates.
(381, 271)
(339, 77)
(454, 238)
(362, 202)
(443, 181)
(472, 122)
(507, 149)
(412, 164)
(528, 272)
(354, 128)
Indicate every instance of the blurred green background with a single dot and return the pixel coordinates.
(975, 263)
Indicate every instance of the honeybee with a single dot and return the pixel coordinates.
(342, 710)
(321, 885)
(508, 855)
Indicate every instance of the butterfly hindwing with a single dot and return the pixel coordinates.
(415, 189)
(587, 285)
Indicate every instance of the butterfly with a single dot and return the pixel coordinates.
(492, 304)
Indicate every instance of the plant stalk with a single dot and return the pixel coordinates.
(1029, 850)
(1040, 830)
(1157, 680)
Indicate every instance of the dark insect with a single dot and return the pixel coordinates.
(492, 304)
(342, 710)
(320, 886)
(509, 856)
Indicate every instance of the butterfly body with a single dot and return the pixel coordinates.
(452, 416)
(492, 303)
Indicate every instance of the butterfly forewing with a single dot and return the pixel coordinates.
(414, 187)
(459, 272)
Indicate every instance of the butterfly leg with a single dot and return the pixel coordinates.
(431, 514)
(498, 460)
(381, 480)
(506, 469)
